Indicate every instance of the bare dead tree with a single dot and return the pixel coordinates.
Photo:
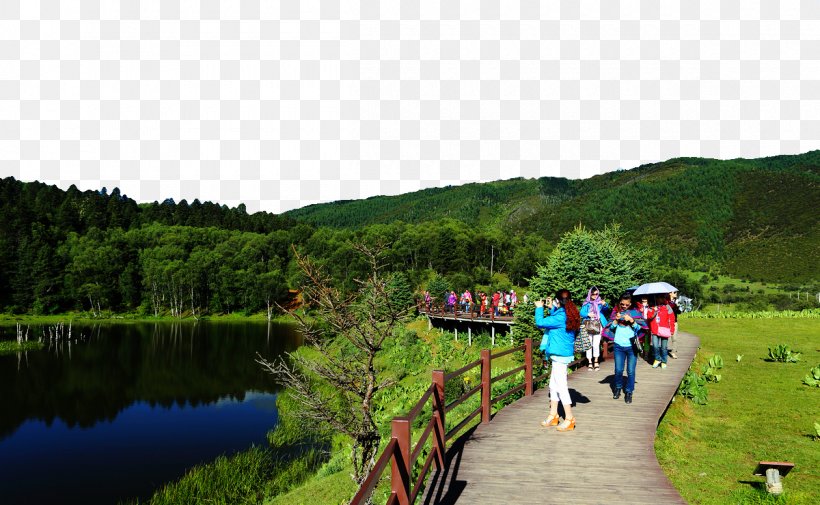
(335, 380)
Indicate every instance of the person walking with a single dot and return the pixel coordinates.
(643, 307)
(496, 298)
(594, 321)
(673, 340)
(625, 323)
(452, 300)
(558, 344)
(662, 325)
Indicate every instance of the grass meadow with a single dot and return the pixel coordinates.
(759, 411)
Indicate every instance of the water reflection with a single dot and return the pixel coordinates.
(121, 396)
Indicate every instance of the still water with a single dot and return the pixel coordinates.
(124, 408)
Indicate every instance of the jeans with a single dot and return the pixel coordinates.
(625, 354)
(660, 344)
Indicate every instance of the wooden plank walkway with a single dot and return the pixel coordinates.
(608, 458)
(467, 317)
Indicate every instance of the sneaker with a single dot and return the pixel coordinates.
(655, 364)
(673, 355)
(628, 398)
(663, 365)
(616, 394)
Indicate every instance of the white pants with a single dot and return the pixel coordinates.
(595, 350)
(558, 383)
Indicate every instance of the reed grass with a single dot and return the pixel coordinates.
(11, 346)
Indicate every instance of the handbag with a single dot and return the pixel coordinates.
(593, 326)
(636, 344)
(664, 332)
(582, 341)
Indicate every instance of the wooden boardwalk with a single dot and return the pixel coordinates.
(608, 458)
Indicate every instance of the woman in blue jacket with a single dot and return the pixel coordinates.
(592, 313)
(558, 344)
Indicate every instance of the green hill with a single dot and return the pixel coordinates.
(756, 217)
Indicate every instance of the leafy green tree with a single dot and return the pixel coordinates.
(584, 258)
(438, 288)
(399, 291)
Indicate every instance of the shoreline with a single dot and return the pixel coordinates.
(85, 318)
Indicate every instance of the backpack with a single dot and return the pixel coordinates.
(665, 321)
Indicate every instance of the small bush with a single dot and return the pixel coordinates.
(812, 379)
(783, 353)
(709, 370)
(693, 386)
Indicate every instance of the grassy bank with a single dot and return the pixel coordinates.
(12, 346)
(759, 411)
(86, 318)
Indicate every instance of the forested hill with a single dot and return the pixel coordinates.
(759, 216)
(61, 248)
(99, 250)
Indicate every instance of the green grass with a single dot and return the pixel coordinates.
(333, 489)
(760, 411)
(246, 478)
(238, 479)
(11, 346)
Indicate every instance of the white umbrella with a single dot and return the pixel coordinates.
(655, 288)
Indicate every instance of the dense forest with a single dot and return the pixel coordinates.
(754, 219)
(101, 251)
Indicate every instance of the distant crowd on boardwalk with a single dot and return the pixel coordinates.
(499, 303)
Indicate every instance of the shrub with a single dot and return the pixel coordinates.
(693, 386)
(812, 379)
(783, 353)
(709, 370)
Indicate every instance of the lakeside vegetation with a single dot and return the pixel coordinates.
(88, 318)
(288, 471)
(12, 346)
(759, 411)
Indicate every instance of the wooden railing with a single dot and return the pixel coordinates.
(402, 456)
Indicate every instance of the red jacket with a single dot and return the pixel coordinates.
(661, 316)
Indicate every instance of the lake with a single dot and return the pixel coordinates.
(124, 408)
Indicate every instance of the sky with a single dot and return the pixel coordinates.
(279, 105)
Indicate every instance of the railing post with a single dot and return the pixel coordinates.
(438, 414)
(486, 385)
(528, 366)
(400, 463)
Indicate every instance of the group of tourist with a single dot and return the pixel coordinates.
(626, 325)
(499, 303)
